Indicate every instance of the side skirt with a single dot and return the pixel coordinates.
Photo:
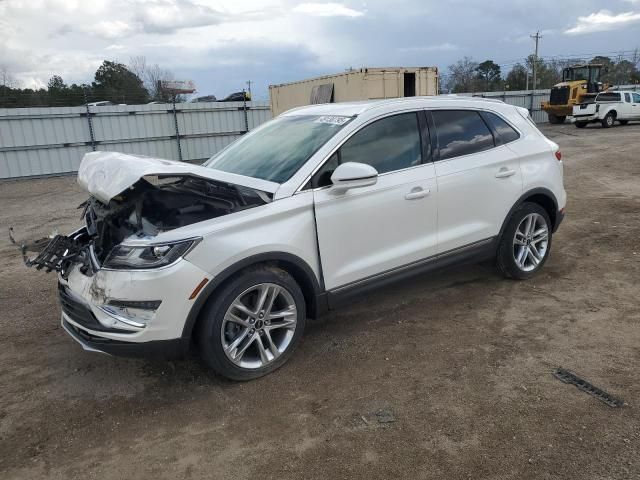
(472, 253)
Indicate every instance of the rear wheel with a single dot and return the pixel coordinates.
(581, 124)
(608, 120)
(525, 243)
(623, 122)
(253, 325)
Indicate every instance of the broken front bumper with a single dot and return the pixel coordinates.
(128, 312)
(161, 349)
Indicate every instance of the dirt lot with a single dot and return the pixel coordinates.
(459, 363)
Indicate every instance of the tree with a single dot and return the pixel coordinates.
(517, 77)
(547, 76)
(151, 75)
(6, 78)
(488, 73)
(462, 75)
(623, 72)
(116, 83)
(56, 83)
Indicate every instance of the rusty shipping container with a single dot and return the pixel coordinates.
(355, 84)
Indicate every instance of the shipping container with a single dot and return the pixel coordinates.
(352, 85)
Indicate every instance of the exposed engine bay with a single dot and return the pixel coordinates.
(152, 205)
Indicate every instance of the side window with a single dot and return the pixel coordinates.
(627, 97)
(636, 98)
(505, 132)
(461, 132)
(389, 144)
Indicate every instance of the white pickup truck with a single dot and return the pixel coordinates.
(609, 107)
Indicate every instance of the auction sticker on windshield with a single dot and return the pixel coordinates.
(332, 119)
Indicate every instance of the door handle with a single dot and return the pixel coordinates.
(504, 173)
(417, 193)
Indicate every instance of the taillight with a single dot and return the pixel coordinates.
(558, 155)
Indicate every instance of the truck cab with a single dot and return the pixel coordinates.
(579, 83)
(609, 107)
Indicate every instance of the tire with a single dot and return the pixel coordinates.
(623, 122)
(608, 120)
(509, 252)
(216, 333)
(556, 119)
(580, 124)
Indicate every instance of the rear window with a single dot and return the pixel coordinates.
(461, 132)
(506, 133)
(608, 97)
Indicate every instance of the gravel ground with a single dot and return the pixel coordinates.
(443, 376)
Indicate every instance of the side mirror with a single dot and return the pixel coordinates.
(353, 175)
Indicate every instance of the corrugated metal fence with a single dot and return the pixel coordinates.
(531, 100)
(48, 141)
(521, 98)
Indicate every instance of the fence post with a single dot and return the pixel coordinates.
(531, 104)
(91, 135)
(175, 122)
(244, 107)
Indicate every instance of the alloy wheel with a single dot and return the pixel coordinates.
(530, 242)
(259, 325)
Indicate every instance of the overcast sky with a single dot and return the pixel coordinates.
(222, 43)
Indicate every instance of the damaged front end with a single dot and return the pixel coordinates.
(121, 228)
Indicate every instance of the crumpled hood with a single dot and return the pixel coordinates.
(107, 174)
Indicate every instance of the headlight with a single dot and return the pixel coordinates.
(125, 257)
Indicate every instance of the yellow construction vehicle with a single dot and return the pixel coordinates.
(579, 83)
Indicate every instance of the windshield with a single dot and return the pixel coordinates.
(576, 74)
(278, 149)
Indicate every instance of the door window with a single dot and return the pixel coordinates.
(627, 97)
(636, 97)
(461, 132)
(390, 144)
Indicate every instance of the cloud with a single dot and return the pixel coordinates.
(168, 16)
(602, 21)
(110, 29)
(442, 47)
(330, 9)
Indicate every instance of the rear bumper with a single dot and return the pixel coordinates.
(585, 118)
(159, 349)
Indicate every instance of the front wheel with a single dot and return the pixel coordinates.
(253, 325)
(525, 243)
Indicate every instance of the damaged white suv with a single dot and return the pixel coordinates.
(303, 212)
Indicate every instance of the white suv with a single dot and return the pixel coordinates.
(310, 208)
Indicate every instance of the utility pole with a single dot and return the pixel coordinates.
(536, 37)
(249, 82)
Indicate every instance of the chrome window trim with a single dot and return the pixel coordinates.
(344, 140)
(408, 110)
